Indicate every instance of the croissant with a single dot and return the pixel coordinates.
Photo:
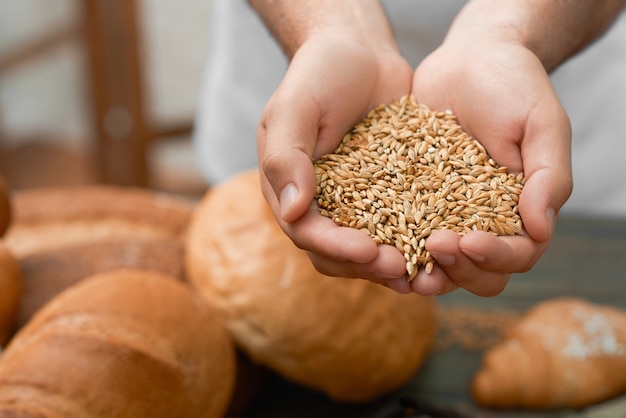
(126, 343)
(563, 353)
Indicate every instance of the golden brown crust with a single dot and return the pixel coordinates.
(58, 216)
(46, 274)
(123, 343)
(10, 290)
(98, 201)
(5, 207)
(352, 339)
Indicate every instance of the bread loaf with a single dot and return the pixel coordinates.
(10, 291)
(563, 353)
(349, 338)
(127, 343)
(45, 274)
(5, 207)
(54, 217)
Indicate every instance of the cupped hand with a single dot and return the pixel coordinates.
(502, 96)
(331, 83)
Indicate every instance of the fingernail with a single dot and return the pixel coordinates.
(443, 258)
(288, 196)
(400, 285)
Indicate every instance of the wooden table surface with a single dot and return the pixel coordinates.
(586, 258)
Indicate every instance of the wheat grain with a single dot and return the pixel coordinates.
(405, 171)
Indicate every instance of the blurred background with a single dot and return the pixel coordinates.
(101, 91)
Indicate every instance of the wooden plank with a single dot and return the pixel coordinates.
(115, 77)
(173, 130)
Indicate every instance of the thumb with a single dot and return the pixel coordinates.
(292, 179)
(285, 148)
(546, 152)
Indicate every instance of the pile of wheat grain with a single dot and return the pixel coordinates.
(406, 171)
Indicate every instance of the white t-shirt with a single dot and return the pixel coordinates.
(245, 65)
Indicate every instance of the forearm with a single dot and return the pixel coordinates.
(292, 22)
(553, 29)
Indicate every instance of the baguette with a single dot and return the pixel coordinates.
(126, 343)
(55, 217)
(45, 274)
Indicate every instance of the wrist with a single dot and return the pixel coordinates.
(552, 30)
(293, 23)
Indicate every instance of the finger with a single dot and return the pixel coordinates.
(434, 283)
(316, 233)
(510, 254)
(388, 264)
(446, 247)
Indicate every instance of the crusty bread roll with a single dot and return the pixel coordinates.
(127, 343)
(5, 207)
(54, 217)
(45, 274)
(563, 353)
(351, 339)
(10, 290)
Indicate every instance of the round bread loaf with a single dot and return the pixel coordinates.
(55, 217)
(5, 207)
(127, 343)
(10, 290)
(349, 338)
(45, 274)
